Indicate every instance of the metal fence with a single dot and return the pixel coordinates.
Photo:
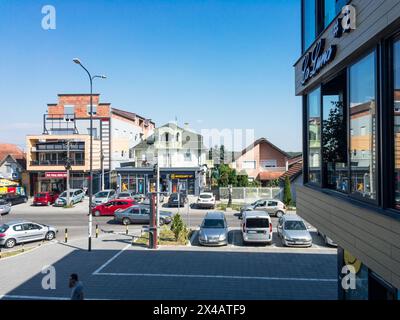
(244, 195)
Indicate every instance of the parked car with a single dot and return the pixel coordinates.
(206, 200)
(103, 197)
(75, 196)
(272, 207)
(109, 208)
(12, 198)
(125, 195)
(214, 230)
(44, 198)
(5, 207)
(139, 197)
(148, 196)
(22, 231)
(293, 231)
(257, 227)
(328, 241)
(140, 214)
(175, 201)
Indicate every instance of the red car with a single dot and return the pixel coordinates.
(44, 198)
(108, 208)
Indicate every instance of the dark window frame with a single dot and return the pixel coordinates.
(319, 21)
(374, 49)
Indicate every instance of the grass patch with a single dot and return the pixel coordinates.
(7, 254)
(167, 238)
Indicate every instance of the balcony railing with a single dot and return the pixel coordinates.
(56, 163)
(62, 123)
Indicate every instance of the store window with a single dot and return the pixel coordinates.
(363, 123)
(396, 122)
(314, 136)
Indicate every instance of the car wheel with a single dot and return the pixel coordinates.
(162, 222)
(25, 200)
(279, 214)
(10, 243)
(49, 204)
(126, 221)
(97, 213)
(50, 236)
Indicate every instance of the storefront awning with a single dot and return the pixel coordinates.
(8, 183)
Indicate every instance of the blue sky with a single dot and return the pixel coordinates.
(211, 63)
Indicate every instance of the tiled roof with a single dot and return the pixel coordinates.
(266, 175)
(294, 171)
(263, 140)
(128, 115)
(7, 149)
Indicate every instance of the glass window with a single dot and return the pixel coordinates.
(309, 22)
(396, 117)
(363, 123)
(330, 11)
(334, 135)
(94, 109)
(314, 136)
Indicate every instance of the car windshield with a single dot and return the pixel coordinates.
(205, 196)
(102, 194)
(64, 194)
(40, 195)
(3, 228)
(124, 195)
(213, 223)
(295, 225)
(257, 223)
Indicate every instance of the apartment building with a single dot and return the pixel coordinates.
(349, 77)
(66, 129)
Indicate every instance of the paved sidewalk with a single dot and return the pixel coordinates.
(118, 270)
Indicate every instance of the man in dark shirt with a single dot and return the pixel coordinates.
(76, 286)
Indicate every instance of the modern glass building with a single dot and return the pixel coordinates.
(349, 77)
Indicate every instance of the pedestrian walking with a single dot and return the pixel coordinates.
(76, 286)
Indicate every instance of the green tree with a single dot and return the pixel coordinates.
(233, 177)
(242, 180)
(177, 226)
(222, 154)
(287, 192)
(224, 174)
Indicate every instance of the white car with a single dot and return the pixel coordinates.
(206, 200)
(103, 196)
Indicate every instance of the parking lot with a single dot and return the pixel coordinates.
(75, 220)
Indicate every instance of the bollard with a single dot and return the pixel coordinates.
(66, 235)
(0, 252)
(23, 248)
(133, 242)
(127, 231)
(97, 231)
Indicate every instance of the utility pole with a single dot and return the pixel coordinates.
(68, 168)
(179, 197)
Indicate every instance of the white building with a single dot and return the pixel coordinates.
(181, 156)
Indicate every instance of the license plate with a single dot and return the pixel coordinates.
(251, 232)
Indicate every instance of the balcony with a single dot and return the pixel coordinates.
(55, 163)
(60, 124)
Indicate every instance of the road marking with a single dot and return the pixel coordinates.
(201, 276)
(112, 259)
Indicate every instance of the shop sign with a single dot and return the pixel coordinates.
(55, 175)
(181, 176)
(346, 22)
(316, 60)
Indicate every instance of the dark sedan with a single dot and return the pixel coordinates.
(12, 199)
(177, 201)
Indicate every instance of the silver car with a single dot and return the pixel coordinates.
(5, 208)
(328, 241)
(104, 196)
(214, 230)
(293, 231)
(15, 232)
(272, 207)
(75, 196)
(140, 214)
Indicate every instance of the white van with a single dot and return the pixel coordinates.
(256, 227)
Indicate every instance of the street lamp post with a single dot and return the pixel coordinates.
(91, 78)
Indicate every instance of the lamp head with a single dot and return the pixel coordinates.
(77, 61)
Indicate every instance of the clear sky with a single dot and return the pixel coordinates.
(211, 63)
